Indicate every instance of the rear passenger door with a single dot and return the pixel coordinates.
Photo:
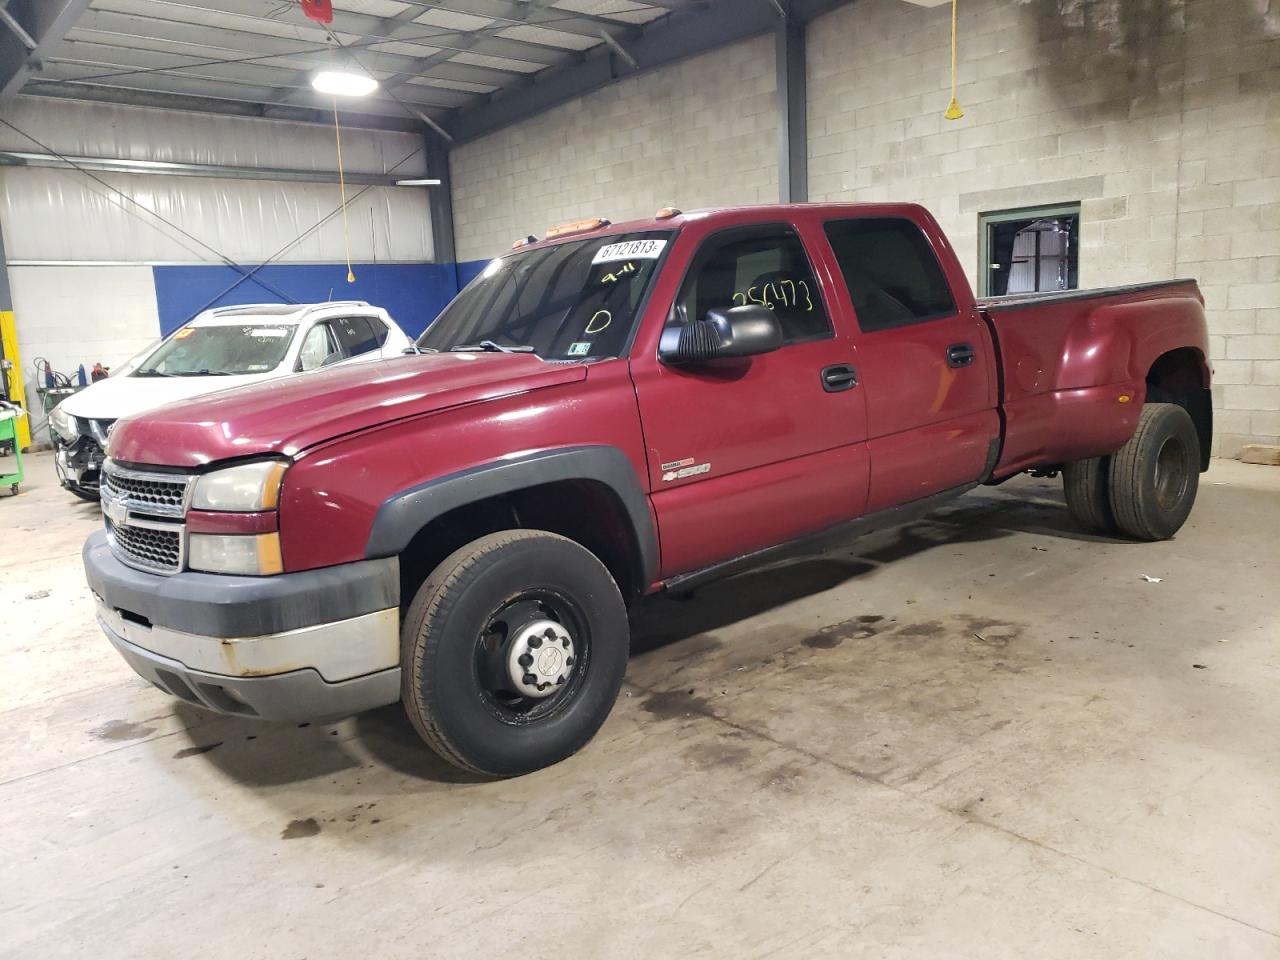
(744, 454)
(926, 365)
(359, 337)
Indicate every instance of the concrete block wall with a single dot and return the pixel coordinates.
(1161, 118)
(699, 133)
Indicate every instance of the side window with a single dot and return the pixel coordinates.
(318, 347)
(891, 272)
(767, 266)
(356, 336)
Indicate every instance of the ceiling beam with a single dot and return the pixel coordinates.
(44, 21)
(685, 33)
(233, 108)
(130, 32)
(379, 28)
(217, 171)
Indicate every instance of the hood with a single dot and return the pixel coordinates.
(118, 396)
(289, 415)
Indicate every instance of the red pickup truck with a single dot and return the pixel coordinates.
(613, 411)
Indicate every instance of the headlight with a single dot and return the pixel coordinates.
(256, 555)
(245, 488)
(63, 423)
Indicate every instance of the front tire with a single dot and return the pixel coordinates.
(88, 494)
(512, 652)
(1154, 477)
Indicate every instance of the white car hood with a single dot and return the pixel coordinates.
(126, 396)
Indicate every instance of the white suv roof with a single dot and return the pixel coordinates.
(279, 312)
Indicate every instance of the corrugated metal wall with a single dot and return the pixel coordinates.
(84, 260)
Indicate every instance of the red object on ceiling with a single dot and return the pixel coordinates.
(321, 11)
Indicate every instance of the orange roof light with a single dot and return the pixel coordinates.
(524, 242)
(666, 213)
(578, 226)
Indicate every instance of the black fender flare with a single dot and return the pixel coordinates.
(402, 515)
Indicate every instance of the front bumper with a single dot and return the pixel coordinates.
(78, 463)
(303, 646)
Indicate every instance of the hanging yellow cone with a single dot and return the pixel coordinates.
(953, 109)
(351, 277)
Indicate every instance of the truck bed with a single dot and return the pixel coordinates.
(1071, 384)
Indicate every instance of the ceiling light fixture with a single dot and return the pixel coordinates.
(417, 183)
(343, 83)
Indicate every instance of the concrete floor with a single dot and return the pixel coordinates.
(985, 736)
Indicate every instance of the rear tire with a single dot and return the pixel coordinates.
(1154, 477)
(469, 624)
(1087, 485)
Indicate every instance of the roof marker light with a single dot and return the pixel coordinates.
(666, 213)
(577, 226)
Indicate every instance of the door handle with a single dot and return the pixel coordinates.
(960, 355)
(839, 377)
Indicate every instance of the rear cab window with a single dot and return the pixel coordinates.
(893, 277)
(765, 265)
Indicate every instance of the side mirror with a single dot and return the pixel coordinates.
(733, 332)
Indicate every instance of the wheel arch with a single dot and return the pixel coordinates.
(1182, 376)
(590, 494)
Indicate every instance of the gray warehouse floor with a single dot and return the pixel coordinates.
(982, 736)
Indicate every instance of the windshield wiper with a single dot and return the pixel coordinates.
(488, 346)
(199, 373)
(151, 373)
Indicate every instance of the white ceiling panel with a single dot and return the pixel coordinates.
(549, 38)
(451, 20)
(498, 63)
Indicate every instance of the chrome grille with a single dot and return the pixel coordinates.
(143, 512)
(155, 493)
(151, 547)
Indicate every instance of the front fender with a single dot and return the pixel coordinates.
(401, 516)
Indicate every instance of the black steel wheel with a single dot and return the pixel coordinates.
(512, 652)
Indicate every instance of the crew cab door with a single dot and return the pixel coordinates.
(926, 359)
(747, 453)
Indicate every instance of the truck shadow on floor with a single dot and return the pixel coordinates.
(666, 618)
(257, 754)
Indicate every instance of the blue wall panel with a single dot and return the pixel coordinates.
(413, 293)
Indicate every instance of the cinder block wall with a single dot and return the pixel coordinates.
(699, 133)
(1162, 117)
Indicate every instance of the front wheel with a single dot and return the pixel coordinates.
(88, 494)
(1154, 477)
(512, 652)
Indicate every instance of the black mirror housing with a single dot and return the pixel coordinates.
(724, 333)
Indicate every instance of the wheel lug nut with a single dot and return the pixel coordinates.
(525, 660)
(549, 633)
(535, 642)
(564, 642)
(559, 680)
(530, 678)
(568, 661)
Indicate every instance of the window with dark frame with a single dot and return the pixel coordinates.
(766, 265)
(1030, 250)
(891, 272)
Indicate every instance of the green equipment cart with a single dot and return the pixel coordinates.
(9, 415)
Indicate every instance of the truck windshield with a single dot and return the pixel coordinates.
(219, 351)
(571, 301)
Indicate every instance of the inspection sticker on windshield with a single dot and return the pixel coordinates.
(649, 249)
(579, 349)
(268, 332)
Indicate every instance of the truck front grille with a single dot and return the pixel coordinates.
(151, 491)
(144, 514)
(150, 547)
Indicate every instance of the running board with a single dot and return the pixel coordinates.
(813, 542)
